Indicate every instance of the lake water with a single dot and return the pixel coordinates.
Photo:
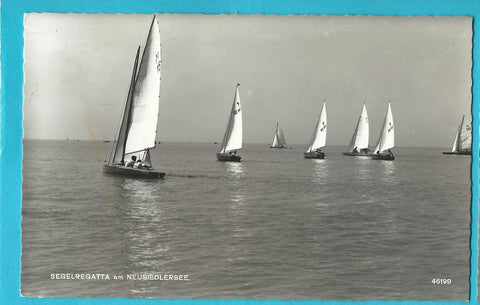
(275, 226)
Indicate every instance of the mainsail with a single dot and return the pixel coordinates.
(278, 138)
(360, 136)
(232, 140)
(139, 122)
(320, 133)
(387, 138)
(463, 138)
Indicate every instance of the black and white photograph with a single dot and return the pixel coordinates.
(232, 156)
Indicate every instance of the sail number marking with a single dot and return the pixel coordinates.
(390, 126)
(441, 281)
(235, 111)
(158, 61)
(324, 126)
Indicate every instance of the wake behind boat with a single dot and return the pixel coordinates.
(386, 140)
(130, 155)
(319, 137)
(359, 143)
(462, 145)
(279, 138)
(232, 140)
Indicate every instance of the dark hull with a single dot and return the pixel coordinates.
(356, 154)
(228, 157)
(457, 153)
(281, 147)
(314, 155)
(132, 172)
(385, 157)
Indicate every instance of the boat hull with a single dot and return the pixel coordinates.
(384, 157)
(280, 147)
(355, 154)
(228, 158)
(132, 172)
(314, 155)
(457, 153)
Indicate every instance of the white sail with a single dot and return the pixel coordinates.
(275, 141)
(144, 111)
(463, 138)
(278, 138)
(387, 138)
(361, 135)
(319, 137)
(232, 140)
(455, 143)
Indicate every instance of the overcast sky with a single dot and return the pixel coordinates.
(78, 67)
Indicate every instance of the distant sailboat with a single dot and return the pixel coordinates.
(279, 138)
(386, 141)
(359, 143)
(232, 140)
(319, 137)
(463, 140)
(131, 154)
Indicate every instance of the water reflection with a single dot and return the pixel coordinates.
(388, 170)
(363, 168)
(146, 237)
(320, 170)
(236, 173)
(235, 169)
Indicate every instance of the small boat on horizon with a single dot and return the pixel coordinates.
(359, 143)
(386, 140)
(232, 140)
(130, 155)
(462, 145)
(319, 137)
(279, 139)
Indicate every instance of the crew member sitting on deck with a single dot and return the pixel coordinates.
(131, 162)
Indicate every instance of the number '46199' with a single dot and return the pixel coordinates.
(439, 281)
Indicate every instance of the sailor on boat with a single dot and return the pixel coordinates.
(131, 163)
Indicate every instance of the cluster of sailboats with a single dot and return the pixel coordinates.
(130, 155)
(232, 141)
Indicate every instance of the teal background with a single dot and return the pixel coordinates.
(11, 111)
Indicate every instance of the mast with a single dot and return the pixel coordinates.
(146, 92)
(386, 139)
(319, 136)
(123, 131)
(232, 138)
(361, 133)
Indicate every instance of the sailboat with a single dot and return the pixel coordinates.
(232, 140)
(359, 143)
(463, 140)
(319, 137)
(130, 155)
(386, 140)
(279, 139)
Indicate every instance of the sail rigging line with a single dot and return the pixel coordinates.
(147, 41)
(231, 121)
(129, 117)
(124, 124)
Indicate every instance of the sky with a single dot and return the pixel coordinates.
(77, 71)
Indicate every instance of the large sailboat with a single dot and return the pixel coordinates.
(130, 155)
(279, 138)
(232, 140)
(463, 140)
(319, 137)
(359, 143)
(386, 141)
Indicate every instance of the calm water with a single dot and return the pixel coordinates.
(275, 226)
